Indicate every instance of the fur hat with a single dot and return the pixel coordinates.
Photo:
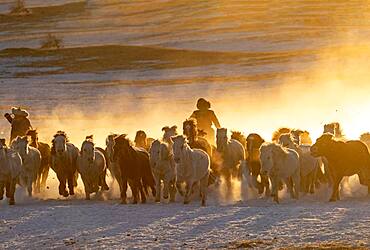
(19, 112)
(203, 104)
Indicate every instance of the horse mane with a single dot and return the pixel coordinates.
(276, 134)
(123, 138)
(365, 137)
(337, 130)
(193, 124)
(61, 133)
(201, 133)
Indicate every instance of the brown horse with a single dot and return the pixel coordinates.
(254, 142)
(135, 169)
(142, 141)
(344, 159)
(45, 151)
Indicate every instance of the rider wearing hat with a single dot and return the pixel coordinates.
(206, 118)
(19, 122)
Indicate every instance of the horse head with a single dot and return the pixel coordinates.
(322, 145)
(33, 134)
(122, 147)
(221, 139)
(20, 144)
(189, 127)
(269, 154)
(109, 142)
(140, 139)
(88, 149)
(154, 152)
(59, 143)
(287, 140)
(169, 132)
(179, 145)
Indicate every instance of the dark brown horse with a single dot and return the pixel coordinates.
(254, 142)
(45, 151)
(344, 159)
(135, 169)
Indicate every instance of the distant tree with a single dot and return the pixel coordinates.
(19, 9)
(51, 42)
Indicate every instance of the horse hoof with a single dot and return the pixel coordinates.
(157, 200)
(332, 200)
(1, 197)
(71, 192)
(123, 202)
(11, 202)
(203, 203)
(172, 200)
(186, 202)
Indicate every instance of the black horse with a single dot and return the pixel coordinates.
(135, 169)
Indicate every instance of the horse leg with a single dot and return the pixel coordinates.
(62, 185)
(188, 188)
(166, 191)
(289, 184)
(38, 181)
(135, 190)
(158, 187)
(296, 184)
(142, 192)
(203, 189)
(123, 190)
(103, 183)
(179, 188)
(71, 184)
(172, 190)
(275, 188)
(265, 185)
(45, 173)
(29, 185)
(335, 192)
(86, 187)
(10, 191)
(2, 187)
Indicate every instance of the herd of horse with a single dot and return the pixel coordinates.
(186, 164)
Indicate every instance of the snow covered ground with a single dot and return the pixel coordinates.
(254, 222)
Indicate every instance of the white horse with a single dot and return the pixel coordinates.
(112, 165)
(232, 155)
(192, 166)
(168, 133)
(92, 167)
(163, 167)
(281, 164)
(64, 157)
(309, 165)
(31, 159)
(10, 170)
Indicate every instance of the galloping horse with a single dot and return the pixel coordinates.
(45, 151)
